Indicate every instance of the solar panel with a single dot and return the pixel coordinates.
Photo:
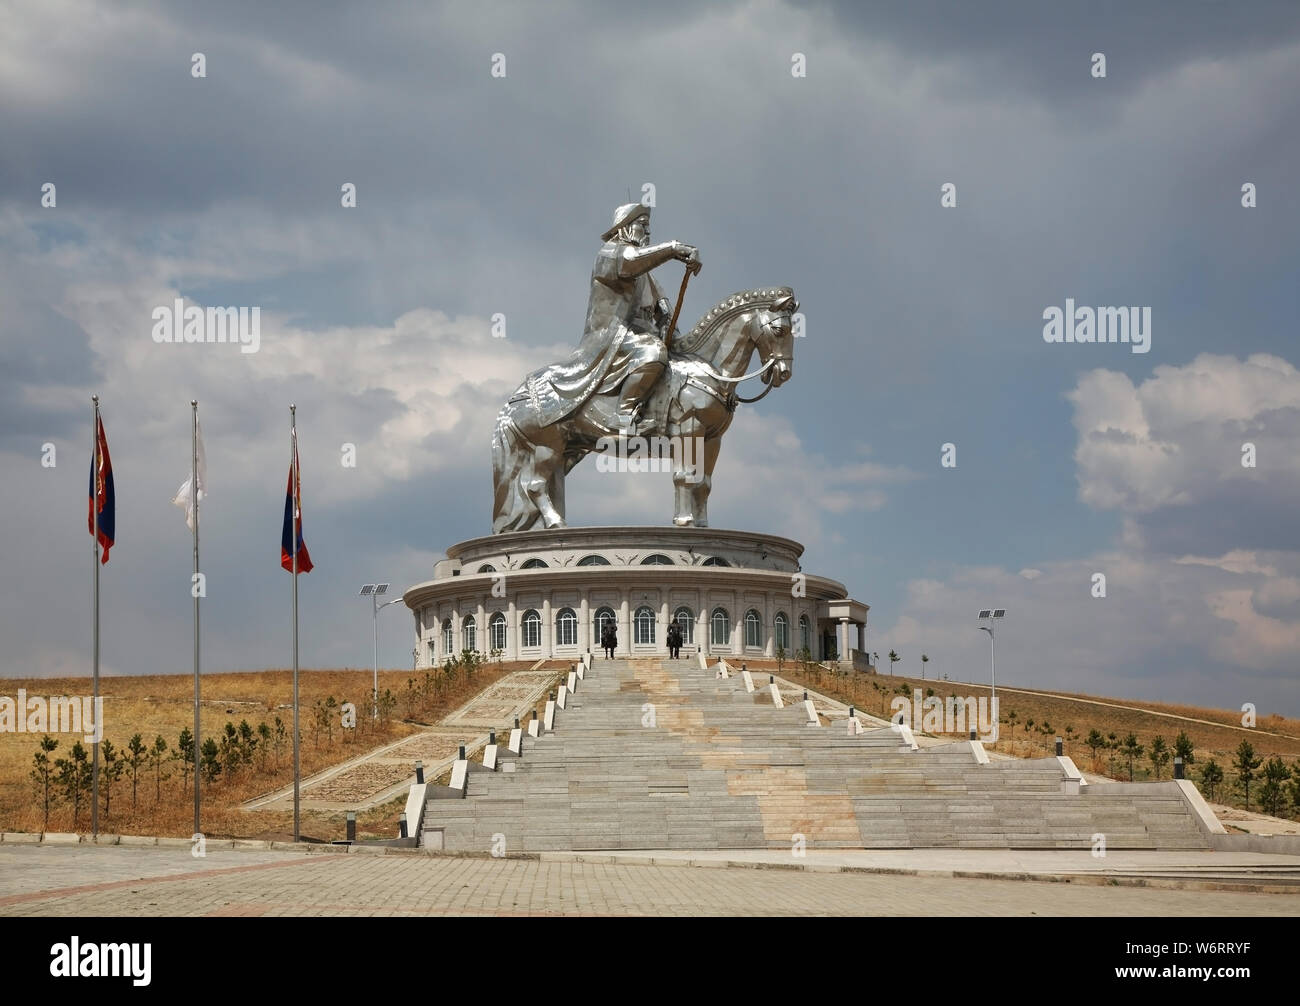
(381, 588)
(999, 612)
(985, 612)
(365, 591)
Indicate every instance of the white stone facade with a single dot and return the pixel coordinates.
(541, 594)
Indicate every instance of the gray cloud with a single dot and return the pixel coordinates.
(479, 196)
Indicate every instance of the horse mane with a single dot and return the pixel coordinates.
(724, 310)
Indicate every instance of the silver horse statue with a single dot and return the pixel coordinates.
(693, 402)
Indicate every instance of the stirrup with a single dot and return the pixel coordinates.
(628, 422)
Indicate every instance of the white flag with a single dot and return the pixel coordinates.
(184, 495)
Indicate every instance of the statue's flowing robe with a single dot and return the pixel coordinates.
(620, 320)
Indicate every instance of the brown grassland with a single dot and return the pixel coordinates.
(162, 705)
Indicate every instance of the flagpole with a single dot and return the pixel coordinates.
(194, 501)
(293, 547)
(94, 510)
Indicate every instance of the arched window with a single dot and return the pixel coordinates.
(487, 567)
(602, 616)
(534, 564)
(782, 632)
(593, 560)
(657, 560)
(715, 560)
(686, 622)
(721, 625)
(644, 625)
(532, 628)
(805, 633)
(497, 631)
(566, 628)
(469, 633)
(448, 644)
(753, 628)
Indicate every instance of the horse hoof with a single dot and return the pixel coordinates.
(683, 521)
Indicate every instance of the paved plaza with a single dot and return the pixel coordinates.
(88, 880)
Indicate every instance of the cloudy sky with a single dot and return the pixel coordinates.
(481, 194)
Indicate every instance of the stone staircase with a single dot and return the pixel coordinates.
(659, 754)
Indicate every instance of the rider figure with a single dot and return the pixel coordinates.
(627, 307)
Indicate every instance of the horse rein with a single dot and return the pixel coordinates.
(720, 377)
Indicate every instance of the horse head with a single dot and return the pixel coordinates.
(728, 334)
(774, 339)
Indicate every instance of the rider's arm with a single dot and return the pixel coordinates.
(636, 261)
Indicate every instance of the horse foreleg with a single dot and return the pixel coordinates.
(699, 490)
(688, 468)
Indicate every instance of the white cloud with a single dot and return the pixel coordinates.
(1217, 627)
(1179, 434)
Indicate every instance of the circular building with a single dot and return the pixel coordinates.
(547, 594)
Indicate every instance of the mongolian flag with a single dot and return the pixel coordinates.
(293, 519)
(100, 494)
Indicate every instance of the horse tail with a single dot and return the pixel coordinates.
(510, 451)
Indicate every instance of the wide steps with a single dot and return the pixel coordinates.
(722, 769)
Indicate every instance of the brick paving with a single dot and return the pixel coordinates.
(92, 881)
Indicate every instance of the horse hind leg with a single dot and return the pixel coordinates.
(546, 461)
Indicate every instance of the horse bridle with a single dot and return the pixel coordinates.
(775, 359)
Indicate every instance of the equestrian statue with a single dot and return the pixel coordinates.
(635, 376)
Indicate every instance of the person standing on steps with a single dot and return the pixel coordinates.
(609, 639)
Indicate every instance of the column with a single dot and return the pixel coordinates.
(661, 630)
(547, 634)
(842, 638)
(512, 631)
(584, 625)
(481, 642)
(624, 628)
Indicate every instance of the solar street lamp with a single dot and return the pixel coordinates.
(989, 614)
(373, 591)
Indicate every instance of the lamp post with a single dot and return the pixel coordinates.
(372, 591)
(990, 614)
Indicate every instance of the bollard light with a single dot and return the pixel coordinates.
(1060, 747)
(516, 722)
(419, 772)
(1178, 767)
(850, 712)
(352, 826)
(401, 825)
(972, 734)
(461, 756)
(492, 736)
